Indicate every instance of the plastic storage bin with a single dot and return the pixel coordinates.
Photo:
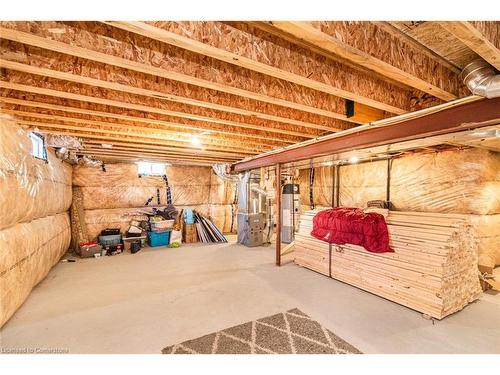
(110, 240)
(158, 239)
(161, 226)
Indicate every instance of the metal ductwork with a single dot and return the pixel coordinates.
(481, 79)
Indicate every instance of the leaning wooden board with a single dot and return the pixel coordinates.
(433, 268)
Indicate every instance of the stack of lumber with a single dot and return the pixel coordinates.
(433, 268)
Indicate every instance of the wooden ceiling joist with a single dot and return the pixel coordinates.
(139, 154)
(395, 29)
(138, 146)
(132, 159)
(31, 69)
(472, 37)
(273, 68)
(117, 129)
(88, 134)
(118, 149)
(165, 133)
(288, 99)
(310, 35)
(182, 127)
(132, 106)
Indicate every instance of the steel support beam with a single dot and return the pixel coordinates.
(461, 117)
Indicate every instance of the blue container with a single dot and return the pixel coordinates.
(158, 238)
(188, 216)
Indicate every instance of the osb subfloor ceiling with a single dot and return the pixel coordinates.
(205, 92)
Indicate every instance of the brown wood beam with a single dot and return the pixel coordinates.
(395, 30)
(168, 112)
(467, 116)
(70, 77)
(141, 146)
(118, 149)
(170, 142)
(145, 132)
(272, 68)
(132, 159)
(306, 32)
(473, 38)
(101, 152)
(136, 107)
(83, 111)
(173, 73)
(47, 128)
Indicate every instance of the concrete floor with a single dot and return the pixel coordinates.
(143, 302)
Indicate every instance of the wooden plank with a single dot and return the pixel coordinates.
(143, 108)
(143, 154)
(148, 132)
(396, 31)
(60, 47)
(437, 275)
(120, 150)
(180, 41)
(170, 124)
(306, 32)
(31, 69)
(95, 137)
(475, 40)
(186, 146)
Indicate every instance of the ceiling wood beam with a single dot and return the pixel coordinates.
(137, 107)
(31, 69)
(473, 38)
(93, 148)
(393, 29)
(84, 53)
(144, 132)
(306, 32)
(131, 159)
(86, 134)
(152, 32)
(82, 111)
(140, 146)
(145, 154)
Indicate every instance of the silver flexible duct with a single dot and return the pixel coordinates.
(481, 79)
(222, 171)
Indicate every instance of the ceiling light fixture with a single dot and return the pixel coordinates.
(196, 141)
(353, 159)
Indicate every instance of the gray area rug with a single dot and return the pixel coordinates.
(292, 332)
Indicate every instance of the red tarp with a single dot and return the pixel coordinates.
(344, 225)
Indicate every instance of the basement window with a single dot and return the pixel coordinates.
(38, 146)
(150, 169)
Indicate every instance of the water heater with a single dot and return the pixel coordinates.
(290, 211)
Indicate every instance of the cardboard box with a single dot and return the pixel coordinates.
(190, 235)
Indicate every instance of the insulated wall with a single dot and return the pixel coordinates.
(113, 197)
(34, 224)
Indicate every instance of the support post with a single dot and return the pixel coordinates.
(388, 182)
(337, 185)
(278, 208)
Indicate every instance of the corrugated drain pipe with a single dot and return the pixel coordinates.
(481, 79)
